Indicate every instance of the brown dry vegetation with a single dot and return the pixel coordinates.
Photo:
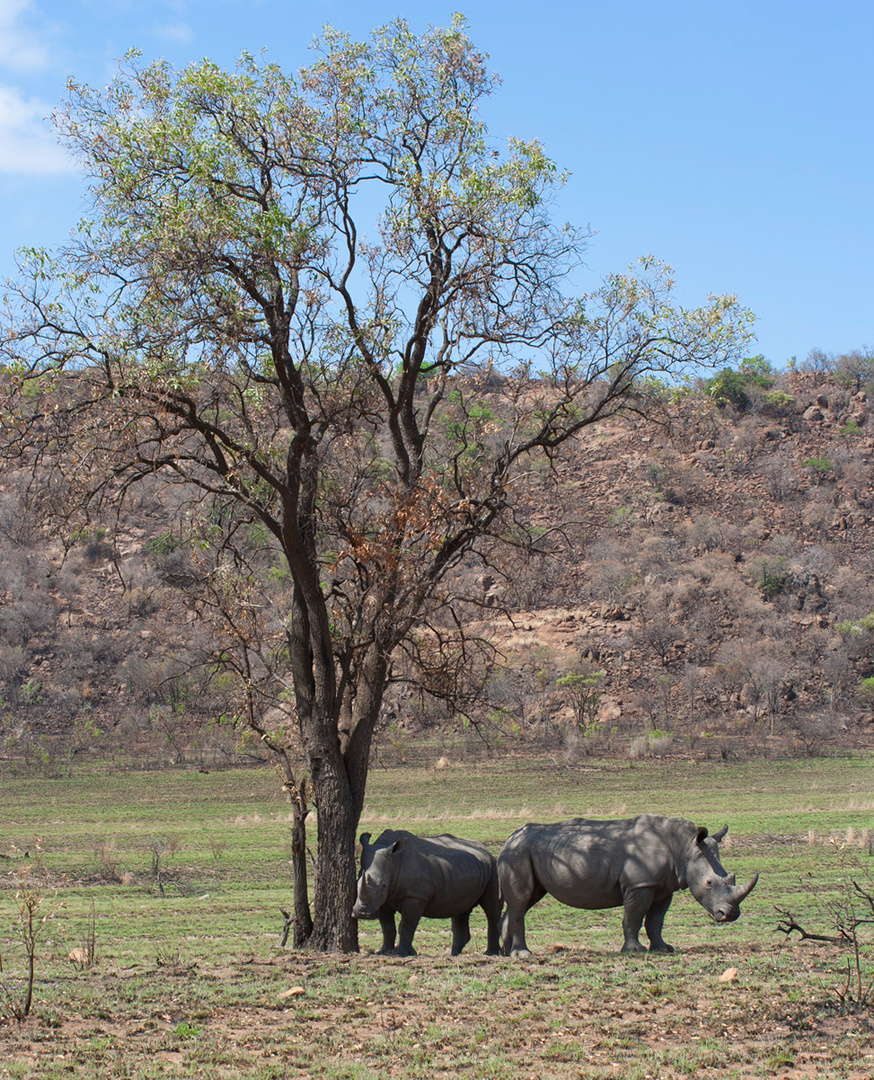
(715, 571)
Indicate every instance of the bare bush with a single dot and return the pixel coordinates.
(16, 999)
(850, 913)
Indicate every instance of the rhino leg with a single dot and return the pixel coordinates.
(389, 933)
(513, 932)
(491, 905)
(460, 932)
(411, 913)
(654, 921)
(521, 891)
(493, 945)
(637, 903)
(513, 923)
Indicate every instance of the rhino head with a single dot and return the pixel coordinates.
(716, 891)
(377, 867)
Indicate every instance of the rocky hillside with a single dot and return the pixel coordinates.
(725, 579)
(710, 590)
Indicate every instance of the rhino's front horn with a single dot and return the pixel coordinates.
(743, 891)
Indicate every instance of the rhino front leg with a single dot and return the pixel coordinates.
(654, 921)
(460, 932)
(389, 933)
(636, 902)
(410, 916)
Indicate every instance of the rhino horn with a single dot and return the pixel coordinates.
(743, 891)
(720, 836)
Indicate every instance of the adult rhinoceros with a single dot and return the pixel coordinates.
(438, 877)
(638, 864)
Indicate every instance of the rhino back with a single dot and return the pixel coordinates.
(449, 873)
(385, 839)
(587, 863)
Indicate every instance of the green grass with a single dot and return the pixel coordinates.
(192, 982)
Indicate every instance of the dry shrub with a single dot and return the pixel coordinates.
(652, 744)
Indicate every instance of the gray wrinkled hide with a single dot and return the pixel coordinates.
(435, 877)
(637, 863)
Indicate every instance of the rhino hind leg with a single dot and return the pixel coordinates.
(460, 932)
(493, 947)
(520, 889)
(653, 923)
(491, 904)
(513, 934)
(513, 922)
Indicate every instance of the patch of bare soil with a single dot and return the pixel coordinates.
(561, 1015)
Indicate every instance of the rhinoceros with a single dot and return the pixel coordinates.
(638, 863)
(437, 877)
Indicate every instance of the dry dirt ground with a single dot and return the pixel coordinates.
(565, 1014)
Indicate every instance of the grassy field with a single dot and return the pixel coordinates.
(179, 876)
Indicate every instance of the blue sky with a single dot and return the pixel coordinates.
(733, 139)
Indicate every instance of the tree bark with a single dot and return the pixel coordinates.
(303, 922)
(334, 929)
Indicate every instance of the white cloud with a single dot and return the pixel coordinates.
(177, 33)
(20, 47)
(28, 146)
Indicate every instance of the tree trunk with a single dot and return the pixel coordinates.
(303, 922)
(337, 736)
(334, 929)
(339, 779)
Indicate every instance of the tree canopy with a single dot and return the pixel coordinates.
(289, 296)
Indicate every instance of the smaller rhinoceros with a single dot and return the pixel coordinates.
(438, 877)
(638, 863)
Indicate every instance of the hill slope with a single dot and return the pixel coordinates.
(709, 590)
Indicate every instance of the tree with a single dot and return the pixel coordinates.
(855, 369)
(330, 306)
(583, 690)
(738, 388)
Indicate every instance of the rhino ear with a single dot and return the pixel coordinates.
(700, 835)
(364, 839)
(396, 846)
(720, 836)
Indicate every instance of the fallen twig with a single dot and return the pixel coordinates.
(789, 924)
